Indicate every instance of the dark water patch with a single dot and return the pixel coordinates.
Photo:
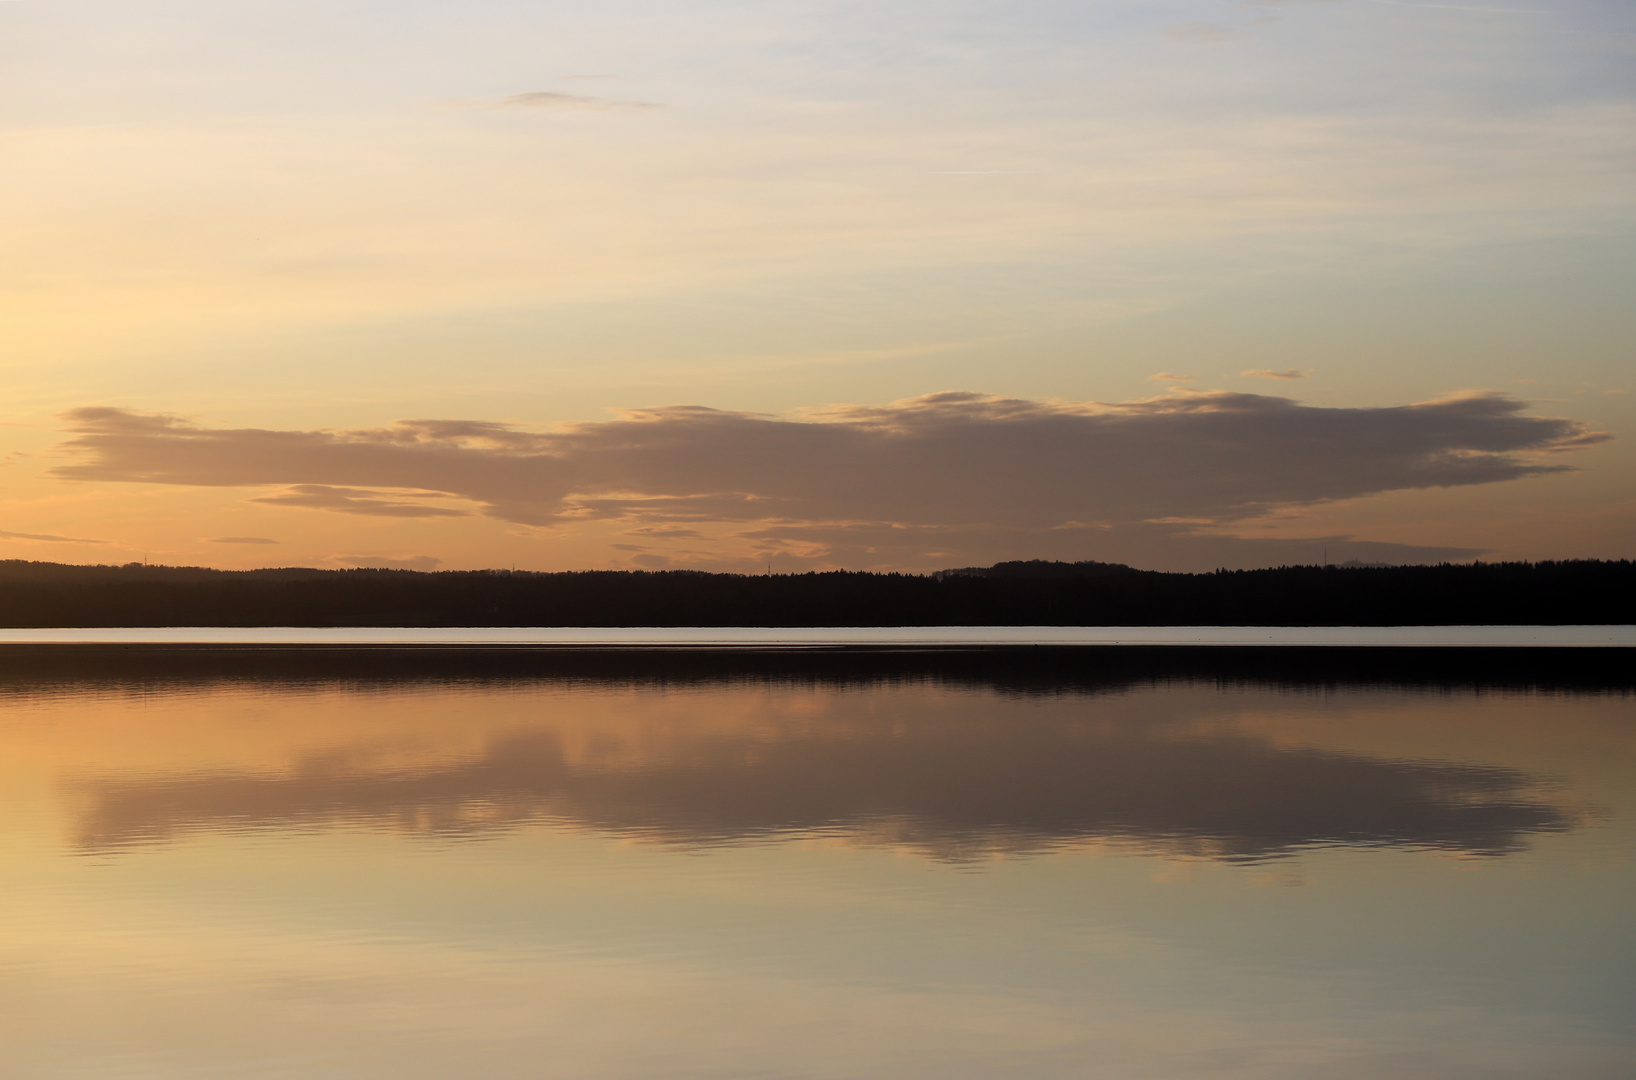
(56, 669)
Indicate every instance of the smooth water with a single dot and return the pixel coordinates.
(216, 868)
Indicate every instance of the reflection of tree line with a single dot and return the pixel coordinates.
(948, 788)
(1036, 593)
(42, 669)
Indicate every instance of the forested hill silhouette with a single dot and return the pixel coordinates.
(37, 594)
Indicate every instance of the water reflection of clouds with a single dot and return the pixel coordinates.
(1010, 782)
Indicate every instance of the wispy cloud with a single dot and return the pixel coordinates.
(354, 501)
(667, 532)
(241, 540)
(1268, 373)
(966, 470)
(1467, 7)
(48, 538)
(550, 99)
(1203, 33)
(1171, 376)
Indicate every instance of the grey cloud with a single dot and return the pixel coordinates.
(241, 540)
(674, 508)
(964, 463)
(48, 538)
(351, 501)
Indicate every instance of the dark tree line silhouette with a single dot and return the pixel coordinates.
(38, 594)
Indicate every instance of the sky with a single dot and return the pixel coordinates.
(890, 286)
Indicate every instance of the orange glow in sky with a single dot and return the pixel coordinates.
(885, 286)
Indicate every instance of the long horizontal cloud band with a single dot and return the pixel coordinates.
(942, 460)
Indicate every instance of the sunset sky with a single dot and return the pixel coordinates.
(887, 285)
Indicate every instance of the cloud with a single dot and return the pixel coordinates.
(353, 501)
(48, 538)
(1203, 33)
(241, 540)
(378, 562)
(1268, 373)
(667, 532)
(1467, 7)
(547, 99)
(955, 466)
(1171, 376)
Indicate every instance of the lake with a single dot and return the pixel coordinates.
(1149, 863)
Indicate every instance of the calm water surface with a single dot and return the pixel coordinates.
(220, 867)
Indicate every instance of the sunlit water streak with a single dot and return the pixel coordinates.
(892, 872)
